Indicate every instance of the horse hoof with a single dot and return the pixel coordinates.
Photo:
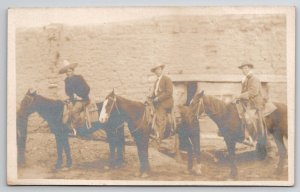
(57, 167)
(137, 174)
(65, 169)
(198, 172)
(278, 170)
(119, 166)
(69, 164)
(233, 176)
(144, 175)
(187, 172)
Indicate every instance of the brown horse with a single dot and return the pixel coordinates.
(230, 125)
(133, 113)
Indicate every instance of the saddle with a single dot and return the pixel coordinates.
(88, 115)
(249, 117)
(150, 115)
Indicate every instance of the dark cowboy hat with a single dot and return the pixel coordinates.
(247, 64)
(157, 66)
(67, 65)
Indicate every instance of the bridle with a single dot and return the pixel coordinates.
(200, 103)
(114, 99)
(204, 113)
(31, 98)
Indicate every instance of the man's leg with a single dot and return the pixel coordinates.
(75, 114)
(161, 120)
(261, 123)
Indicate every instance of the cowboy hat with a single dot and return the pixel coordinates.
(247, 64)
(162, 66)
(67, 65)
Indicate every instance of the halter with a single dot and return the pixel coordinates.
(200, 103)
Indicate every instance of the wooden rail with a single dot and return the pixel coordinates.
(224, 78)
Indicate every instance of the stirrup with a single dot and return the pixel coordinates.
(249, 141)
(74, 133)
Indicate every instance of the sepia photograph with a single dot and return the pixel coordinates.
(151, 96)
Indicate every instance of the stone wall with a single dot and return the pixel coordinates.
(119, 55)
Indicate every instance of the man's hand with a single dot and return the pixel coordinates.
(156, 100)
(235, 99)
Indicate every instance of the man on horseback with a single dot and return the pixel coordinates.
(251, 98)
(78, 91)
(162, 96)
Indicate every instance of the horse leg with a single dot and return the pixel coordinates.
(66, 147)
(59, 150)
(178, 156)
(231, 157)
(190, 154)
(195, 138)
(21, 150)
(120, 147)
(145, 158)
(21, 138)
(281, 150)
(261, 149)
(111, 143)
(142, 147)
(137, 138)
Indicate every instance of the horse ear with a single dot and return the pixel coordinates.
(32, 91)
(201, 93)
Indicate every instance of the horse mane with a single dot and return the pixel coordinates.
(134, 103)
(134, 109)
(53, 114)
(187, 113)
(218, 106)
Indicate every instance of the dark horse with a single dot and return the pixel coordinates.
(133, 113)
(52, 111)
(188, 129)
(230, 125)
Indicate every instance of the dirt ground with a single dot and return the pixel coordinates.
(90, 160)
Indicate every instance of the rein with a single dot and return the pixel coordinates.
(30, 97)
(201, 103)
(114, 99)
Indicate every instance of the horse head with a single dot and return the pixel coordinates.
(197, 103)
(26, 108)
(197, 97)
(108, 106)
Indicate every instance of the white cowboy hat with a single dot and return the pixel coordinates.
(162, 66)
(67, 65)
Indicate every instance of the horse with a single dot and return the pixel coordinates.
(134, 113)
(229, 123)
(52, 112)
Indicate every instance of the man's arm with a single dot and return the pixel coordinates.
(68, 90)
(84, 84)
